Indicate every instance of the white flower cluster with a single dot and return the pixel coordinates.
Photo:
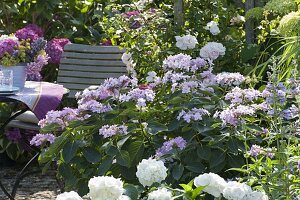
(232, 190)
(151, 171)
(186, 42)
(4, 37)
(68, 196)
(212, 50)
(128, 61)
(105, 187)
(160, 194)
(212, 27)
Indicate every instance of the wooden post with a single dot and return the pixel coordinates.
(249, 26)
(178, 15)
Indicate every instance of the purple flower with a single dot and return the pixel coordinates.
(55, 48)
(33, 69)
(197, 64)
(256, 150)
(168, 146)
(290, 113)
(94, 106)
(40, 139)
(107, 43)
(8, 46)
(195, 114)
(31, 31)
(111, 130)
(298, 166)
(131, 14)
(238, 95)
(13, 135)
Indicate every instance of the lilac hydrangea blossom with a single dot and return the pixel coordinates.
(55, 48)
(111, 130)
(8, 46)
(140, 95)
(238, 95)
(229, 79)
(33, 69)
(195, 114)
(298, 166)
(13, 135)
(178, 62)
(40, 139)
(168, 146)
(31, 31)
(257, 150)
(94, 106)
(62, 117)
(232, 115)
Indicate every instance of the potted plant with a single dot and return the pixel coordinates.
(24, 53)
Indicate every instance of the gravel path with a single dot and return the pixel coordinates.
(33, 187)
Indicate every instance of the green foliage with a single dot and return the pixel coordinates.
(281, 7)
(256, 13)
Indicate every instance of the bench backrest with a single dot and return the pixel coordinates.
(85, 65)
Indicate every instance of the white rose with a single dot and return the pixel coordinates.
(255, 195)
(236, 191)
(213, 182)
(186, 42)
(126, 58)
(105, 187)
(160, 194)
(151, 171)
(212, 50)
(213, 27)
(68, 196)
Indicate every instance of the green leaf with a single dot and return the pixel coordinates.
(197, 191)
(131, 191)
(135, 150)
(105, 165)
(204, 152)
(69, 151)
(155, 127)
(186, 188)
(47, 154)
(177, 171)
(196, 167)
(123, 158)
(217, 158)
(91, 155)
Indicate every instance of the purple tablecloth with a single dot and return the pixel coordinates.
(40, 97)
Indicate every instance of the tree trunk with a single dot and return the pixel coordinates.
(249, 26)
(178, 15)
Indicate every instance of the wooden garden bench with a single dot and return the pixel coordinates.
(80, 67)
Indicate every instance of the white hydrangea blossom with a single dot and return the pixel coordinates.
(68, 196)
(160, 194)
(212, 50)
(255, 195)
(213, 182)
(236, 191)
(124, 197)
(141, 4)
(4, 37)
(105, 187)
(151, 171)
(212, 27)
(186, 42)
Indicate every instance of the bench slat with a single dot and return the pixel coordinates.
(92, 56)
(90, 68)
(23, 125)
(87, 74)
(91, 62)
(90, 81)
(92, 49)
